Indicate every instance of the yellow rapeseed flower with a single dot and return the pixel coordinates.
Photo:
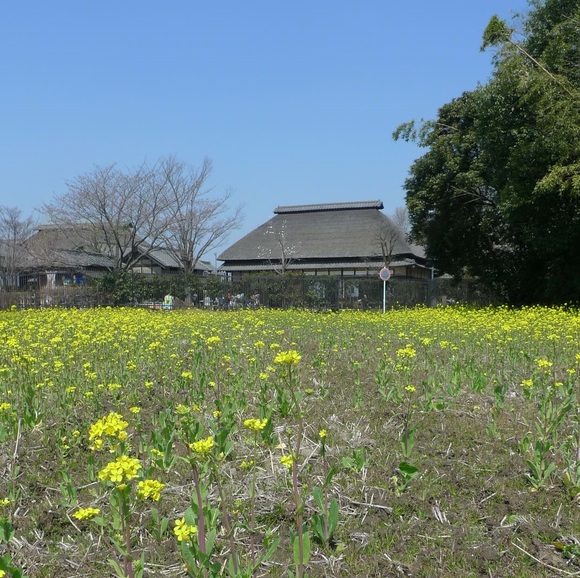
(291, 357)
(182, 409)
(287, 461)
(121, 470)
(150, 489)
(111, 425)
(202, 448)
(256, 424)
(183, 530)
(86, 513)
(406, 352)
(544, 364)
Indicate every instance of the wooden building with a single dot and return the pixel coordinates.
(343, 239)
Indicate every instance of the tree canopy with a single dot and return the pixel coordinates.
(497, 194)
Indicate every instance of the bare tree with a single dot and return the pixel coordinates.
(386, 238)
(278, 251)
(128, 215)
(198, 222)
(14, 230)
(401, 218)
(121, 214)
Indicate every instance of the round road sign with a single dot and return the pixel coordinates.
(385, 274)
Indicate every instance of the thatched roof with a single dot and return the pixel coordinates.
(336, 231)
(78, 246)
(66, 259)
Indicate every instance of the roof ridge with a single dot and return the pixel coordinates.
(329, 207)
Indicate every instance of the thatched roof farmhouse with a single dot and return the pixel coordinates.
(345, 239)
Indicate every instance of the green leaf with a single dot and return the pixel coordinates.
(209, 542)
(6, 530)
(118, 570)
(408, 469)
(332, 518)
(331, 473)
(271, 550)
(318, 497)
(317, 525)
(306, 547)
(188, 557)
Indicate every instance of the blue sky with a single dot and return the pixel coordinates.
(294, 102)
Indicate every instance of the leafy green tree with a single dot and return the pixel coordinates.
(497, 194)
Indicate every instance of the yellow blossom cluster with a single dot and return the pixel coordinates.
(544, 364)
(86, 513)
(407, 352)
(123, 469)
(183, 530)
(290, 357)
(150, 489)
(255, 424)
(287, 461)
(202, 448)
(109, 426)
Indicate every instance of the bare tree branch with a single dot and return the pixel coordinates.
(283, 254)
(113, 212)
(401, 218)
(14, 230)
(128, 215)
(386, 239)
(198, 221)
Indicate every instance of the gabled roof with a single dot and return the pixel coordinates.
(164, 258)
(322, 231)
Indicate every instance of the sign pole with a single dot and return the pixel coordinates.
(384, 296)
(384, 275)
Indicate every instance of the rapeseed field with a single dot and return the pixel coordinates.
(419, 442)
